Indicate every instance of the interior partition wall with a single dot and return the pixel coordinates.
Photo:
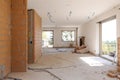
(5, 37)
(34, 36)
(19, 33)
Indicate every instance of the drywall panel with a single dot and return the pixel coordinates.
(19, 34)
(5, 36)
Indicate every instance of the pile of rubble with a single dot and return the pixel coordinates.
(114, 74)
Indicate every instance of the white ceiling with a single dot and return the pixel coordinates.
(70, 12)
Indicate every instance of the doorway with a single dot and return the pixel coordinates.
(108, 39)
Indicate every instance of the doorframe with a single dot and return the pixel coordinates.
(100, 36)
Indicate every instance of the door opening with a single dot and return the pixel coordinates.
(108, 41)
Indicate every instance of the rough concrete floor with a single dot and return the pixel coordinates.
(67, 67)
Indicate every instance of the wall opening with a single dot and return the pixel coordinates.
(68, 35)
(47, 39)
(108, 39)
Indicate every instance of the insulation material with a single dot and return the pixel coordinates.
(19, 35)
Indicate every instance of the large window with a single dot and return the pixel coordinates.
(47, 39)
(109, 38)
(68, 35)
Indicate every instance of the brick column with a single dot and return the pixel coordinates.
(118, 55)
(19, 35)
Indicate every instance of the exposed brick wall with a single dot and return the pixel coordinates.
(35, 34)
(19, 35)
(30, 37)
(118, 42)
(5, 37)
(118, 54)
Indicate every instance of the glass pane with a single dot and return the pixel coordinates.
(68, 35)
(109, 38)
(47, 39)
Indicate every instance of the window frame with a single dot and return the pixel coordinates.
(68, 31)
(53, 38)
(100, 34)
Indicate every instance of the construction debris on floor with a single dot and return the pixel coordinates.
(68, 67)
(114, 74)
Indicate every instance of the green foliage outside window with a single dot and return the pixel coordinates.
(108, 46)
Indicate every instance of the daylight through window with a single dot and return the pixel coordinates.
(68, 35)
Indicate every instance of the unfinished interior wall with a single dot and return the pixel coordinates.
(91, 29)
(118, 40)
(19, 35)
(35, 36)
(58, 35)
(5, 37)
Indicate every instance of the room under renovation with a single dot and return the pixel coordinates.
(60, 40)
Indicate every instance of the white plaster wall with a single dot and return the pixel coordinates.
(91, 29)
(57, 35)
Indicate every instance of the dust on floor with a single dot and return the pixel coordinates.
(67, 67)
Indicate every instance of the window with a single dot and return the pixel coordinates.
(68, 35)
(108, 39)
(47, 39)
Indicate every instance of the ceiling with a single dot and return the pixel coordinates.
(70, 12)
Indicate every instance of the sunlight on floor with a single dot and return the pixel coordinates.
(77, 66)
(91, 61)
